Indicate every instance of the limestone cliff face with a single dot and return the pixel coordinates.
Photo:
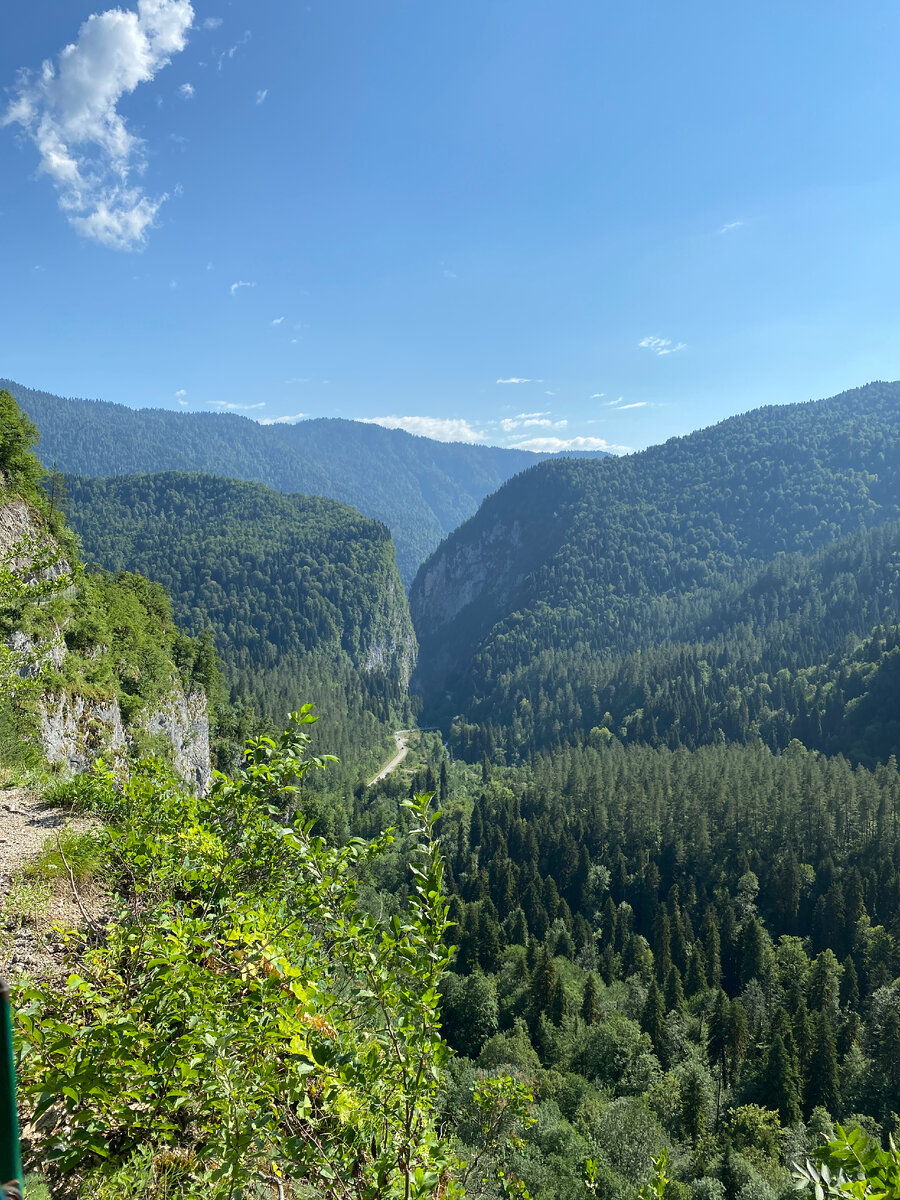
(462, 572)
(391, 647)
(75, 730)
(479, 575)
(184, 722)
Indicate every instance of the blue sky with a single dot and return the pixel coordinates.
(526, 222)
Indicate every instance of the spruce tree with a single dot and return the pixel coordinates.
(780, 1085)
(823, 1090)
(674, 994)
(695, 980)
(590, 1007)
(653, 1019)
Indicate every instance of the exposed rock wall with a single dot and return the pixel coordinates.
(75, 730)
(184, 722)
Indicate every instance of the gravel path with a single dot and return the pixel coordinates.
(28, 941)
(25, 824)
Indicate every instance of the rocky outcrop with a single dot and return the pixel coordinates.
(75, 730)
(184, 723)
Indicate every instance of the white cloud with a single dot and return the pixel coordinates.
(229, 54)
(729, 225)
(281, 420)
(278, 320)
(613, 403)
(186, 91)
(181, 392)
(517, 379)
(661, 345)
(231, 407)
(261, 95)
(69, 110)
(598, 395)
(551, 445)
(212, 22)
(636, 404)
(240, 283)
(441, 429)
(183, 403)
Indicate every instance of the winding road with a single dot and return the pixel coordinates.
(402, 749)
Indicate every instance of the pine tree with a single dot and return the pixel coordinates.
(558, 1004)
(693, 1104)
(662, 945)
(849, 994)
(543, 982)
(488, 942)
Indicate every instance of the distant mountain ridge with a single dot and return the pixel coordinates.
(571, 563)
(421, 489)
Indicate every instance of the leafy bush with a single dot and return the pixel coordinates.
(245, 1021)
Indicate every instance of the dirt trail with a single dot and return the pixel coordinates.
(402, 750)
(25, 824)
(28, 940)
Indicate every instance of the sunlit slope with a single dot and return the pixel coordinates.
(572, 562)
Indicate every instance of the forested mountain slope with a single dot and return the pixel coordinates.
(302, 594)
(90, 662)
(570, 563)
(803, 650)
(419, 488)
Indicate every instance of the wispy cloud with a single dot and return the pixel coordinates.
(552, 445)
(240, 283)
(261, 95)
(660, 345)
(282, 420)
(186, 91)
(232, 407)
(598, 395)
(531, 421)
(228, 55)
(729, 225)
(636, 404)
(278, 320)
(212, 22)
(518, 379)
(441, 429)
(69, 110)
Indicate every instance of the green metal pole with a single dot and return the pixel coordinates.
(12, 1185)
